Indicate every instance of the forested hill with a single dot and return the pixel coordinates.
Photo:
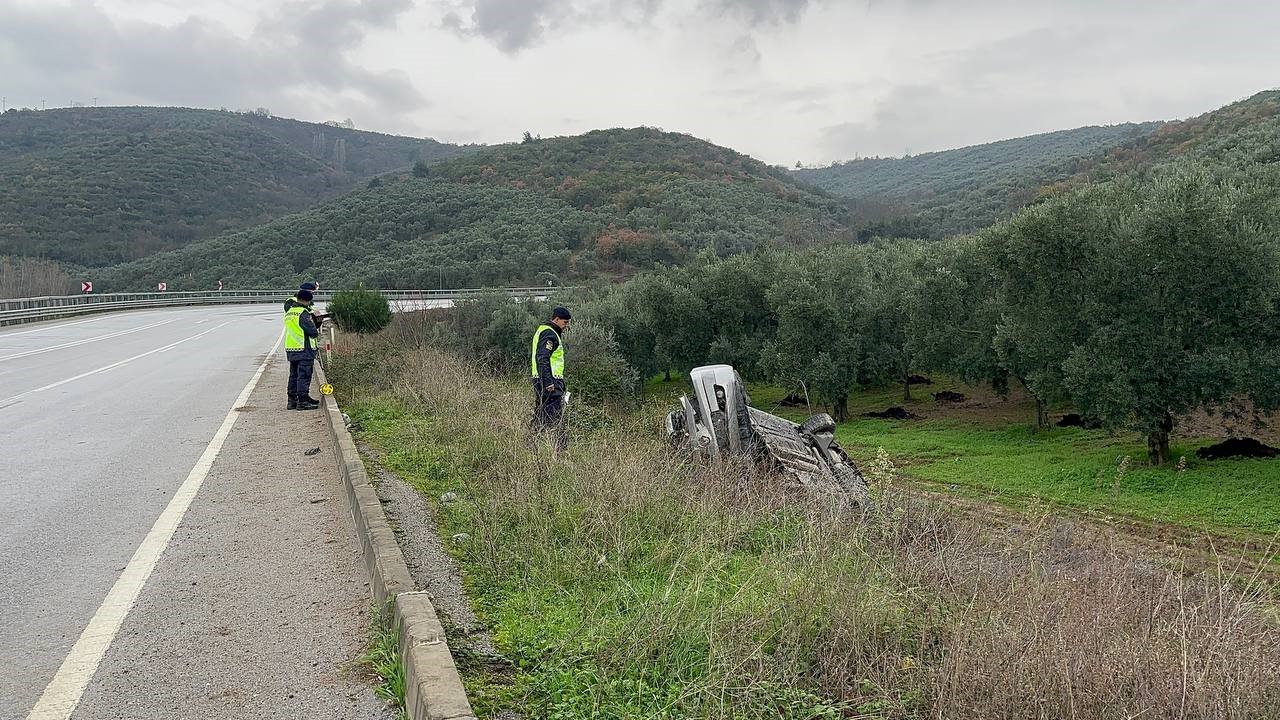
(97, 186)
(1247, 131)
(957, 191)
(607, 203)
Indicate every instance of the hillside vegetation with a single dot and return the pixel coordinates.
(602, 204)
(97, 186)
(964, 190)
(1239, 135)
(957, 191)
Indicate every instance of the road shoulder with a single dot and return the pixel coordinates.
(260, 605)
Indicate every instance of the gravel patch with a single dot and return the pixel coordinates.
(414, 521)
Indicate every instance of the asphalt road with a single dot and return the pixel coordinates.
(101, 421)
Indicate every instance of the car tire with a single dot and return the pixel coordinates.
(815, 424)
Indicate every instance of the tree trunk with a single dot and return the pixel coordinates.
(1042, 414)
(1158, 441)
(668, 377)
(842, 408)
(906, 388)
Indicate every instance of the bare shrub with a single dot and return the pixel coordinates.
(32, 277)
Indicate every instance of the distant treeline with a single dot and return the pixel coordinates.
(945, 193)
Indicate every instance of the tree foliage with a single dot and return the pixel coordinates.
(360, 311)
(820, 304)
(98, 186)
(1136, 300)
(606, 204)
(956, 191)
(1179, 306)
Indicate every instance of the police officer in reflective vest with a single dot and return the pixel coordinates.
(546, 365)
(300, 334)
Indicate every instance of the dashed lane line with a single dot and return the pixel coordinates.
(9, 400)
(83, 341)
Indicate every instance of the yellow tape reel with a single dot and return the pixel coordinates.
(326, 389)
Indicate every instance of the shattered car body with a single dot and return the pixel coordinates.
(719, 422)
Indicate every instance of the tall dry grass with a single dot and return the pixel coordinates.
(740, 590)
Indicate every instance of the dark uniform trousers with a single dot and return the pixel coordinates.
(548, 412)
(300, 370)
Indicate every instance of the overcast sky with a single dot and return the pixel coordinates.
(783, 80)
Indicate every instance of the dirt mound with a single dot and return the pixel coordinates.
(918, 380)
(894, 413)
(793, 400)
(949, 396)
(1237, 447)
(1075, 420)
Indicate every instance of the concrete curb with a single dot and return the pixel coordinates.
(433, 688)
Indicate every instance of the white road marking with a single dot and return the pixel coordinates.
(63, 693)
(82, 341)
(49, 327)
(112, 366)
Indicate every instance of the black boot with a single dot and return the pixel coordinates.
(308, 399)
(306, 403)
(293, 403)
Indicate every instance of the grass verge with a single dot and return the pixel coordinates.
(382, 659)
(624, 582)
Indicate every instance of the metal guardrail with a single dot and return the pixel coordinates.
(24, 310)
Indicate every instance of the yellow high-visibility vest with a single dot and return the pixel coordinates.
(294, 338)
(557, 357)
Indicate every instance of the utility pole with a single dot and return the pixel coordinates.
(95, 102)
(42, 105)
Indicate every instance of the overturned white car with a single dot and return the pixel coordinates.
(719, 421)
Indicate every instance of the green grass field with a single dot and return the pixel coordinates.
(619, 580)
(988, 448)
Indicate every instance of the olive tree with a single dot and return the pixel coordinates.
(819, 302)
(892, 300)
(735, 294)
(1043, 261)
(956, 311)
(1180, 299)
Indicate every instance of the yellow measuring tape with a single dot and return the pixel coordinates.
(326, 389)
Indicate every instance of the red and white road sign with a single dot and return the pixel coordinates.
(219, 284)
(86, 286)
(162, 286)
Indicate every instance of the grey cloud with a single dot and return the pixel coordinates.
(319, 34)
(336, 24)
(513, 25)
(762, 12)
(745, 48)
(80, 52)
(452, 21)
(920, 118)
(1092, 70)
